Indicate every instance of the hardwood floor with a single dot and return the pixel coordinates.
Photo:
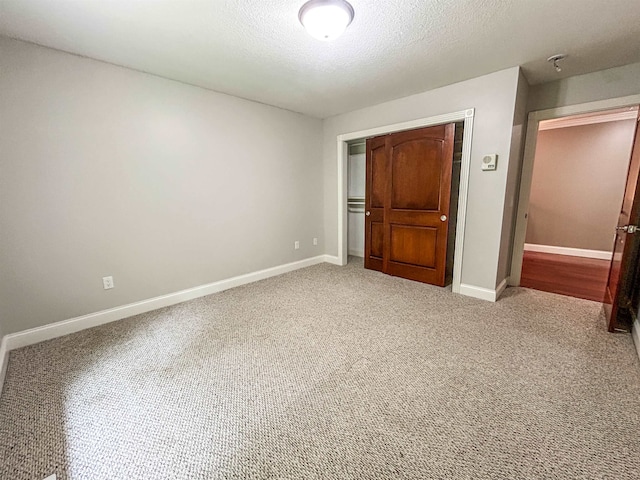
(572, 276)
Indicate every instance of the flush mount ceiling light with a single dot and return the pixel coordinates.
(326, 19)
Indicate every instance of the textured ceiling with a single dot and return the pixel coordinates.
(256, 49)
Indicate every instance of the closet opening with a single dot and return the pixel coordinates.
(403, 193)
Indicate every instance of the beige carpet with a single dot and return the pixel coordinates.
(330, 373)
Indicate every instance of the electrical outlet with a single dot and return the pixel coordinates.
(107, 282)
(315, 241)
(296, 245)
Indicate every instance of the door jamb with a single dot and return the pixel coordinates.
(343, 157)
(526, 175)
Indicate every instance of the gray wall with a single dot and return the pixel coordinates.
(109, 171)
(611, 83)
(579, 175)
(518, 133)
(494, 97)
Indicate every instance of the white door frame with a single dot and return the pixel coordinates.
(527, 166)
(343, 164)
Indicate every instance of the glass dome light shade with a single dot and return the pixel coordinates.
(326, 19)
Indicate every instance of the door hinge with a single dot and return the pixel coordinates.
(628, 228)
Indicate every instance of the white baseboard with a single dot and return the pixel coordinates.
(332, 259)
(573, 252)
(72, 325)
(501, 287)
(635, 334)
(4, 360)
(356, 253)
(482, 293)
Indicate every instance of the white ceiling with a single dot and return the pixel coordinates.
(256, 49)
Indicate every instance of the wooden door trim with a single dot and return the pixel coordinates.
(526, 174)
(343, 156)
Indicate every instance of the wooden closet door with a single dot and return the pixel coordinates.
(407, 225)
(374, 204)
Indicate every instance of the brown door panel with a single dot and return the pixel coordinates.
(410, 217)
(411, 272)
(376, 188)
(375, 215)
(374, 245)
(414, 186)
(377, 239)
(375, 195)
(407, 202)
(437, 131)
(414, 245)
(622, 283)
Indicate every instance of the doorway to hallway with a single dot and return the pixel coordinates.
(579, 176)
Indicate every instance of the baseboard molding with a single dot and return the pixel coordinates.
(635, 334)
(502, 287)
(58, 329)
(4, 360)
(573, 252)
(332, 259)
(72, 325)
(482, 293)
(356, 253)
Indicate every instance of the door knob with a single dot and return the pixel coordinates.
(368, 213)
(443, 218)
